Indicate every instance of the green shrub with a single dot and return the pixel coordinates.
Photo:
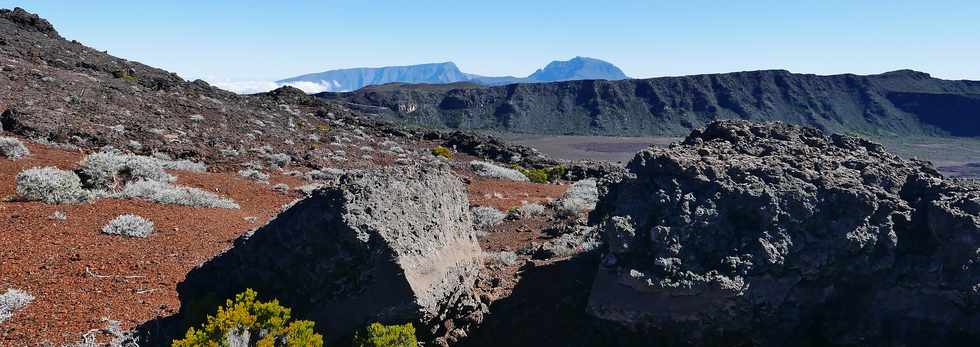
(265, 321)
(444, 152)
(123, 74)
(545, 175)
(379, 335)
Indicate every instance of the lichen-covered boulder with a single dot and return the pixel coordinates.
(393, 245)
(772, 234)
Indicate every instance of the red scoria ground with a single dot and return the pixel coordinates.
(79, 276)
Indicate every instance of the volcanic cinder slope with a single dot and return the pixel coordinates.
(57, 90)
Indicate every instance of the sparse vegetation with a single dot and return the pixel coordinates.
(182, 165)
(124, 75)
(380, 335)
(13, 148)
(485, 217)
(119, 338)
(324, 174)
(58, 215)
(543, 175)
(129, 225)
(444, 152)
(526, 210)
(13, 300)
(254, 175)
(278, 160)
(323, 128)
(109, 168)
(502, 258)
(580, 197)
(246, 316)
(167, 193)
(486, 169)
(308, 189)
(51, 185)
(579, 239)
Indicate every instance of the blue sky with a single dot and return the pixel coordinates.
(268, 40)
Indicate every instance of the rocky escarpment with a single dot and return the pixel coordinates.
(394, 245)
(762, 234)
(895, 103)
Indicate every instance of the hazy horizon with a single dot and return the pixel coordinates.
(255, 43)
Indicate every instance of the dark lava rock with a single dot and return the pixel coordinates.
(394, 245)
(774, 234)
(583, 169)
(490, 147)
(29, 21)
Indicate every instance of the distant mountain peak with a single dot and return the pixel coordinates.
(578, 68)
(356, 78)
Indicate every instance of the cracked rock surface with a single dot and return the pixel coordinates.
(760, 234)
(391, 245)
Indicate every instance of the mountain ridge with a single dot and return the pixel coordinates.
(447, 72)
(902, 102)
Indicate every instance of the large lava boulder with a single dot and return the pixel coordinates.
(773, 234)
(394, 245)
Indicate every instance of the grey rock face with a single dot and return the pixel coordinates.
(766, 233)
(393, 245)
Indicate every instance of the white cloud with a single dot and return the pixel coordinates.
(252, 87)
(310, 87)
(245, 87)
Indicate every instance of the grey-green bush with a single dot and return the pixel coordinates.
(324, 174)
(179, 165)
(486, 169)
(129, 225)
(118, 337)
(485, 217)
(107, 169)
(281, 187)
(13, 300)
(278, 160)
(506, 258)
(254, 175)
(58, 215)
(51, 185)
(167, 193)
(12, 148)
(580, 197)
(527, 210)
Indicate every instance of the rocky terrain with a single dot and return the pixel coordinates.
(140, 176)
(134, 203)
(750, 234)
(55, 90)
(894, 103)
(394, 245)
